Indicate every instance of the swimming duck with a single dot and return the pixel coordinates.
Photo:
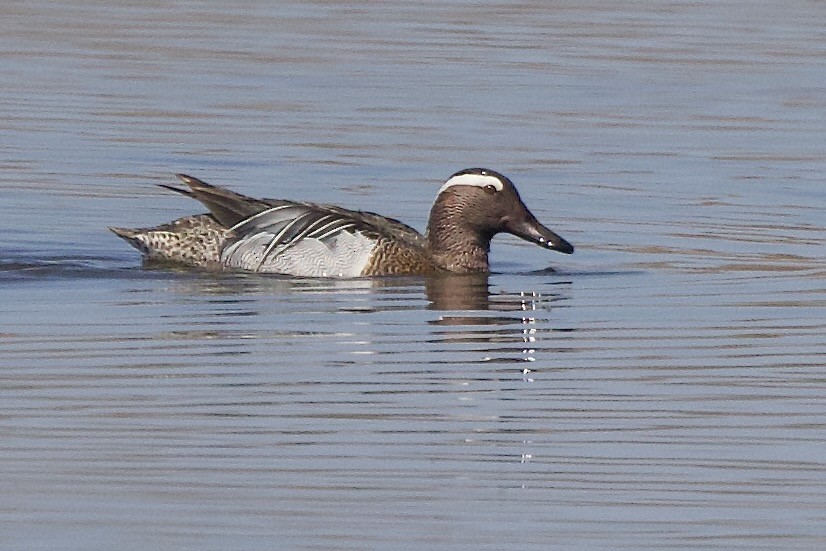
(315, 240)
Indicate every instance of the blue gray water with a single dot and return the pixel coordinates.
(662, 388)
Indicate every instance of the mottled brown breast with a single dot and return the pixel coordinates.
(395, 257)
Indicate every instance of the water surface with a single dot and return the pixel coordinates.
(661, 388)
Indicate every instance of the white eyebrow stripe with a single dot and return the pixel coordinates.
(478, 180)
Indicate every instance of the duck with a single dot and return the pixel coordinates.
(303, 239)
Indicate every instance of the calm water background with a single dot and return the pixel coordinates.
(665, 387)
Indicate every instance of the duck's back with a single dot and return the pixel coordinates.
(283, 237)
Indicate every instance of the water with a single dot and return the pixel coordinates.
(661, 388)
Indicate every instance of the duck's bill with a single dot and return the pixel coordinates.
(531, 230)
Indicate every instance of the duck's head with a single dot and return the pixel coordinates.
(477, 203)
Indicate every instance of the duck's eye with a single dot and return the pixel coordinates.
(490, 189)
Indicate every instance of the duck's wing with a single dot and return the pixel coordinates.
(311, 239)
(273, 235)
(378, 225)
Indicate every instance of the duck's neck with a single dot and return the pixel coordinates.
(454, 245)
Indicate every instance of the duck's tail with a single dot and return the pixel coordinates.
(194, 240)
(135, 237)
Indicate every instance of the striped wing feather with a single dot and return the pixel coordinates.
(262, 237)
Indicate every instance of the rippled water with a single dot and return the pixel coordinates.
(661, 388)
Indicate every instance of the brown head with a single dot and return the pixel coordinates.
(473, 205)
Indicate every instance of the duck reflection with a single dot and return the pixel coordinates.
(458, 292)
(480, 321)
(497, 320)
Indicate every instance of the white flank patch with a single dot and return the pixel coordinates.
(345, 255)
(478, 180)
